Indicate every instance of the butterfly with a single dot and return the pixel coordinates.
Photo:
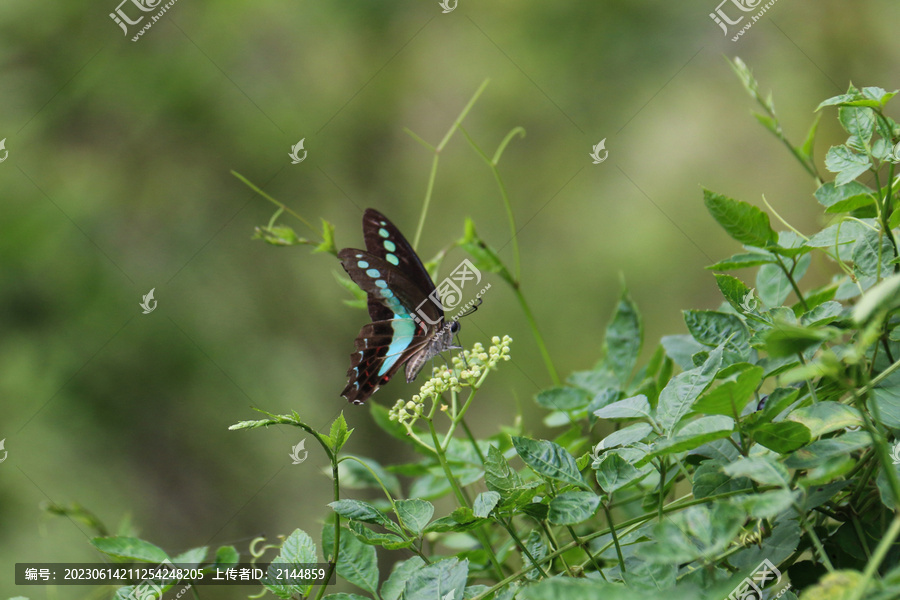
(407, 325)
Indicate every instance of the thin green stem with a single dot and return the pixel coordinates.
(814, 538)
(522, 547)
(280, 205)
(789, 273)
(586, 549)
(548, 362)
(461, 498)
(437, 152)
(615, 537)
(554, 546)
(881, 551)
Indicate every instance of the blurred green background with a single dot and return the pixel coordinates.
(118, 181)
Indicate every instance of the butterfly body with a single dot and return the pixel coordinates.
(408, 326)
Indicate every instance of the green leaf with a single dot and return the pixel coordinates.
(484, 503)
(191, 558)
(735, 291)
(549, 460)
(844, 198)
(614, 473)
(563, 398)
(731, 397)
(626, 436)
(414, 514)
(694, 434)
(807, 148)
(825, 417)
(679, 395)
(327, 244)
(744, 222)
(297, 549)
(227, 556)
(765, 471)
(858, 121)
(871, 253)
(571, 508)
(498, 476)
(485, 257)
(767, 505)
(437, 580)
(130, 548)
(743, 261)
(637, 407)
(358, 562)
(357, 510)
(713, 328)
(538, 549)
(624, 336)
(693, 533)
(773, 286)
(345, 596)
(400, 574)
(389, 541)
(709, 480)
(782, 437)
(846, 163)
(787, 339)
(819, 451)
(879, 299)
(339, 433)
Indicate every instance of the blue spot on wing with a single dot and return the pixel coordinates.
(389, 245)
(392, 259)
(404, 330)
(373, 273)
(383, 232)
(363, 264)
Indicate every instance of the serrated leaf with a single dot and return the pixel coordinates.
(713, 328)
(637, 407)
(484, 503)
(358, 562)
(679, 395)
(297, 548)
(743, 261)
(787, 339)
(693, 435)
(709, 480)
(844, 198)
(846, 163)
(357, 510)
(858, 121)
(734, 290)
(765, 471)
(435, 581)
(389, 541)
(130, 548)
(782, 437)
(614, 473)
(625, 436)
(731, 397)
(339, 433)
(624, 336)
(400, 574)
(744, 222)
(549, 460)
(819, 451)
(825, 417)
(881, 298)
(571, 508)
(414, 514)
(563, 398)
(498, 476)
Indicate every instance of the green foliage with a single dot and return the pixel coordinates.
(776, 440)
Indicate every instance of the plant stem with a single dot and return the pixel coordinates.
(437, 153)
(548, 362)
(461, 498)
(880, 552)
(522, 547)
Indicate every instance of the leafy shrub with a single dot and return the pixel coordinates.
(758, 449)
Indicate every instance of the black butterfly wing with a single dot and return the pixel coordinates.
(385, 241)
(384, 345)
